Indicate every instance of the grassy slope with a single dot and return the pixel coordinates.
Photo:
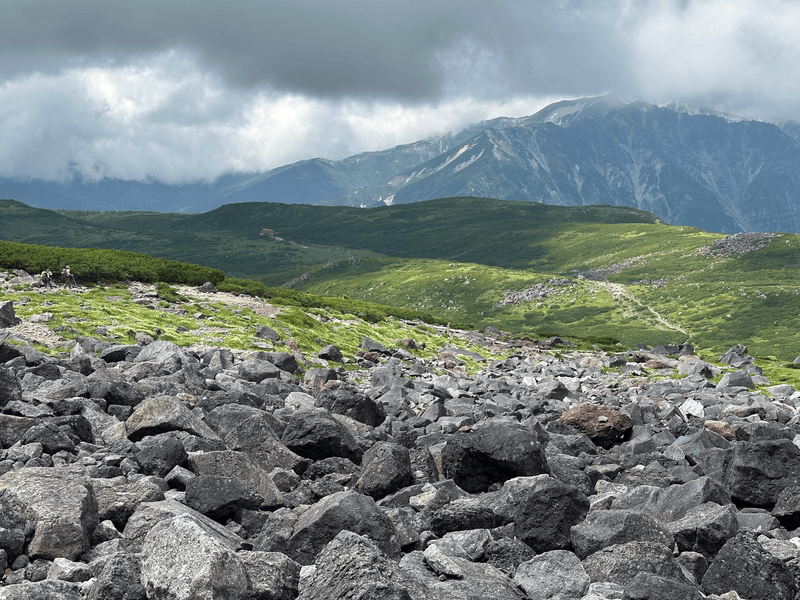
(422, 255)
(109, 313)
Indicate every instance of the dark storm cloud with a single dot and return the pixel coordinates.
(181, 90)
(409, 50)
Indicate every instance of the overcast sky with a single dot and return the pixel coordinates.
(185, 90)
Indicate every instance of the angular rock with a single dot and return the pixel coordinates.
(461, 515)
(273, 576)
(673, 502)
(257, 370)
(386, 469)
(318, 435)
(760, 471)
(184, 559)
(490, 455)
(117, 502)
(337, 512)
(283, 360)
(603, 528)
(267, 333)
(119, 579)
(787, 507)
(159, 454)
(10, 388)
(49, 589)
(345, 400)
(546, 513)
(50, 436)
(507, 554)
(621, 563)
(736, 379)
(162, 414)
(149, 514)
(705, 528)
(440, 563)
(227, 463)
(330, 352)
(480, 581)
(744, 566)
(8, 316)
(219, 497)
(354, 567)
(554, 575)
(58, 506)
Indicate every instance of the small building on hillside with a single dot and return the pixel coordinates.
(269, 232)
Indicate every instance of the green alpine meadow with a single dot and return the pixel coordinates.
(610, 276)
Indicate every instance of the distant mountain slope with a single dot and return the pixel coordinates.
(688, 169)
(688, 165)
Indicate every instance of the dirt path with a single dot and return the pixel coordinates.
(619, 291)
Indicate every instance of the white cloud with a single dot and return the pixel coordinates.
(153, 91)
(743, 55)
(163, 118)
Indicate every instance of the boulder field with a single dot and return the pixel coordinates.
(158, 472)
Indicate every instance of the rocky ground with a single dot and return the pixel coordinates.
(152, 471)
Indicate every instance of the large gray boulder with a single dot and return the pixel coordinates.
(220, 497)
(319, 524)
(56, 505)
(492, 454)
(744, 566)
(478, 580)
(257, 370)
(159, 454)
(119, 578)
(318, 435)
(167, 355)
(161, 414)
(49, 589)
(647, 586)
(272, 575)
(354, 567)
(150, 514)
(387, 468)
(603, 528)
(228, 463)
(760, 471)
(546, 513)
(673, 502)
(116, 502)
(8, 317)
(705, 528)
(184, 559)
(554, 575)
(622, 562)
(345, 400)
(10, 388)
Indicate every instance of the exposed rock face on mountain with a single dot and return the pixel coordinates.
(701, 169)
(195, 477)
(686, 165)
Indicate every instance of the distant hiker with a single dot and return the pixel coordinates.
(45, 280)
(65, 272)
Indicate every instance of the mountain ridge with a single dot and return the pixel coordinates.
(688, 165)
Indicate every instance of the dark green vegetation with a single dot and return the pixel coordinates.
(629, 277)
(103, 265)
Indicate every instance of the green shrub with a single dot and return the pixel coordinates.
(94, 264)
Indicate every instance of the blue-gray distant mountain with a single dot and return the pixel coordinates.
(689, 166)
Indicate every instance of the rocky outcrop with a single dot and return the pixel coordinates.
(176, 473)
